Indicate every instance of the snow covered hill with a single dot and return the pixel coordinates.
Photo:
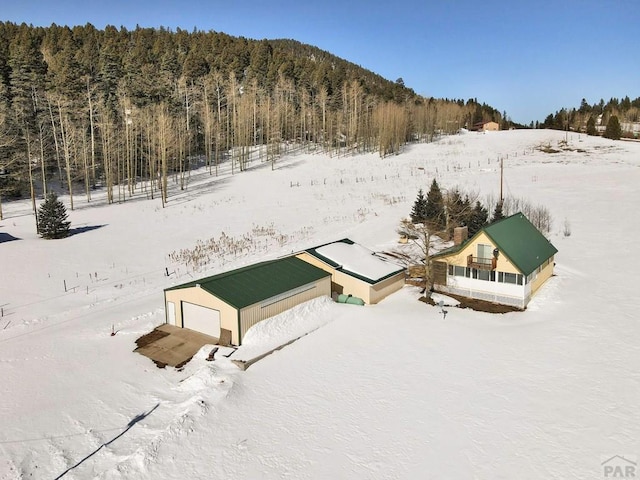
(380, 392)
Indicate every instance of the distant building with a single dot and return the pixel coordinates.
(631, 127)
(486, 127)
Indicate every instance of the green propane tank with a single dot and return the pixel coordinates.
(342, 298)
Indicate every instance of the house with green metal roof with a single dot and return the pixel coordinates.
(226, 305)
(355, 270)
(506, 262)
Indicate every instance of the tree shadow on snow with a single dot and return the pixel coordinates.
(5, 237)
(133, 421)
(77, 230)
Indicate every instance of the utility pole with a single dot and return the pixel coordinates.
(501, 177)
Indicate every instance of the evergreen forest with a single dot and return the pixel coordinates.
(587, 117)
(123, 110)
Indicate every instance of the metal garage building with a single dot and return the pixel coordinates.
(356, 270)
(225, 306)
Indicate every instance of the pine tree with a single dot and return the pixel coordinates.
(591, 126)
(477, 219)
(456, 210)
(613, 130)
(418, 212)
(497, 213)
(434, 208)
(52, 218)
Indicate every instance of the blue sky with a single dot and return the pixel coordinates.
(528, 58)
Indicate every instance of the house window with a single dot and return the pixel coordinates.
(451, 270)
(467, 272)
(513, 278)
(458, 271)
(484, 275)
(485, 251)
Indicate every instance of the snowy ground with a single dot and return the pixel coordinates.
(385, 391)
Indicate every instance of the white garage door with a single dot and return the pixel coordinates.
(201, 319)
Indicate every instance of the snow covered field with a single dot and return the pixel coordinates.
(377, 392)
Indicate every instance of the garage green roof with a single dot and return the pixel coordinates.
(252, 284)
(518, 239)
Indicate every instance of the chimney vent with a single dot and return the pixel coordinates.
(460, 234)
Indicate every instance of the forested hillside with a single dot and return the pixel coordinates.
(88, 108)
(588, 117)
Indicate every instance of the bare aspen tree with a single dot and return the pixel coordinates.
(41, 145)
(207, 116)
(423, 237)
(27, 138)
(367, 135)
(383, 119)
(146, 146)
(85, 160)
(190, 102)
(322, 100)
(41, 125)
(253, 95)
(242, 130)
(217, 82)
(284, 97)
(6, 140)
(275, 129)
(163, 132)
(305, 118)
(91, 132)
(106, 128)
(269, 127)
(65, 137)
(354, 96)
(126, 164)
(55, 139)
(219, 132)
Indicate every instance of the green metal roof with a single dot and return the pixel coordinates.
(521, 241)
(252, 284)
(518, 239)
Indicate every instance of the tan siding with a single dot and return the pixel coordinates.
(439, 272)
(354, 286)
(350, 285)
(315, 262)
(542, 277)
(460, 258)
(198, 296)
(385, 288)
(250, 315)
(253, 314)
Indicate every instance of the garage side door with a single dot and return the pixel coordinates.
(201, 319)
